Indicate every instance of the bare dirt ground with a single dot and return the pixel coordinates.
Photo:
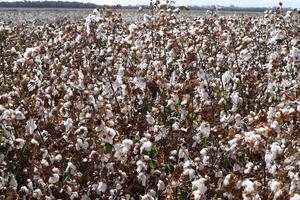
(40, 16)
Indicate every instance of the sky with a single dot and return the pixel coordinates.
(241, 3)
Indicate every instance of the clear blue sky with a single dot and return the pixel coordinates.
(242, 3)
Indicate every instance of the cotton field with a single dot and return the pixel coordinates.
(157, 108)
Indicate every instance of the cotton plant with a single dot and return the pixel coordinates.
(158, 108)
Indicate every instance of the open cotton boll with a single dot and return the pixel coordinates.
(20, 143)
(275, 188)
(276, 150)
(295, 197)
(252, 138)
(295, 54)
(150, 119)
(190, 173)
(199, 185)
(71, 168)
(31, 126)
(132, 28)
(142, 178)
(68, 124)
(19, 115)
(140, 82)
(226, 77)
(248, 168)
(227, 179)
(101, 187)
(160, 185)
(78, 39)
(147, 197)
(147, 146)
(127, 143)
(37, 193)
(53, 179)
(249, 186)
(13, 183)
(34, 141)
(204, 129)
(108, 134)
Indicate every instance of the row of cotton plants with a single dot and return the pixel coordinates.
(163, 108)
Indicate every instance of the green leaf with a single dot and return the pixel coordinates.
(242, 158)
(108, 148)
(95, 139)
(66, 176)
(154, 151)
(226, 162)
(149, 107)
(178, 103)
(168, 111)
(168, 168)
(203, 142)
(152, 164)
(182, 196)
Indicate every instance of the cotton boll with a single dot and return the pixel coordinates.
(226, 77)
(37, 193)
(71, 168)
(150, 119)
(78, 39)
(249, 186)
(248, 168)
(68, 124)
(74, 195)
(274, 125)
(31, 126)
(101, 187)
(45, 163)
(160, 185)
(204, 151)
(276, 150)
(175, 126)
(295, 197)
(197, 195)
(132, 28)
(235, 99)
(190, 173)
(20, 143)
(199, 184)
(108, 135)
(295, 54)
(252, 138)
(13, 182)
(142, 179)
(19, 115)
(57, 158)
(204, 129)
(127, 143)
(147, 146)
(227, 179)
(80, 144)
(147, 197)
(183, 153)
(24, 189)
(140, 166)
(54, 179)
(275, 188)
(34, 142)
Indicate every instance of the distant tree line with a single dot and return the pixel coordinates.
(46, 4)
(66, 4)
